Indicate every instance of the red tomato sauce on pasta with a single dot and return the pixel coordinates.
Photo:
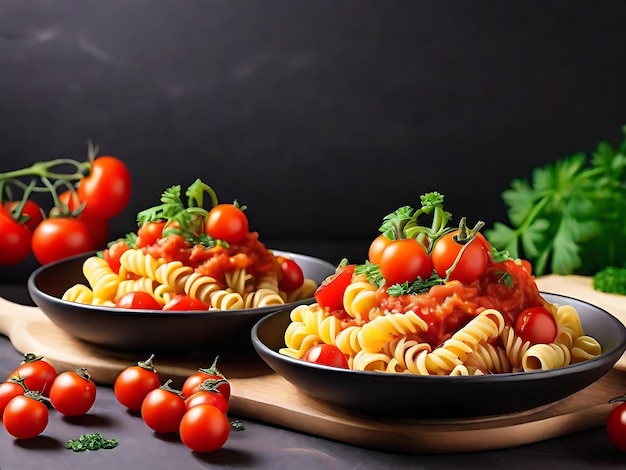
(250, 254)
(506, 287)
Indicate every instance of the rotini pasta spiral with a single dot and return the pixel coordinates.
(102, 279)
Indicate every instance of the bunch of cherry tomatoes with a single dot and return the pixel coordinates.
(35, 386)
(197, 412)
(61, 207)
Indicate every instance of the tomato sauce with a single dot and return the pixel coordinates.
(506, 287)
(250, 254)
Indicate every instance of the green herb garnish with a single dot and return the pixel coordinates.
(569, 218)
(90, 442)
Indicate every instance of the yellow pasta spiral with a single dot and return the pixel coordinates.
(102, 279)
(376, 333)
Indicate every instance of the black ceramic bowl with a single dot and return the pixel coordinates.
(150, 330)
(437, 397)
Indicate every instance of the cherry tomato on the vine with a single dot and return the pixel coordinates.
(25, 416)
(138, 300)
(56, 238)
(9, 389)
(204, 428)
(163, 408)
(194, 382)
(326, 354)
(537, 325)
(184, 302)
(31, 210)
(404, 260)
(38, 374)
(329, 294)
(616, 425)
(291, 277)
(106, 190)
(208, 394)
(227, 222)
(15, 240)
(471, 263)
(376, 248)
(133, 384)
(73, 393)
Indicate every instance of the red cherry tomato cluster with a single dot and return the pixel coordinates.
(197, 412)
(33, 387)
(74, 219)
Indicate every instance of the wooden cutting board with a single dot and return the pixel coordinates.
(260, 394)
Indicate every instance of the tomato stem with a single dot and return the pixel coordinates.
(147, 364)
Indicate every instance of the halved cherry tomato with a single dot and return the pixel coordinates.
(291, 277)
(330, 292)
(404, 260)
(106, 190)
(184, 302)
(227, 222)
(376, 248)
(138, 300)
(326, 354)
(537, 325)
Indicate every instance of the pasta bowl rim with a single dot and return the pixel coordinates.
(578, 375)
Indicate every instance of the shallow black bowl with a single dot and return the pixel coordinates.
(436, 397)
(150, 330)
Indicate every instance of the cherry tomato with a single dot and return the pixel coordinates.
(56, 238)
(616, 425)
(73, 393)
(133, 384)
(326, 354)
(527, 265)
(292, 276)
(329, 294)
(25, 416)
(193, 383)
(112, 254)
(227, 222)
(138, 300)
(9, 389)
(32, 212)
(15, 240)
(97, 225)
(184, 302)
(471, 264)
(37, 373)
(404, 261)
(149, 233)
(106, 191)
(208, 395)
(204, 428)
(163, 408)
(376, 248)
(537, 325)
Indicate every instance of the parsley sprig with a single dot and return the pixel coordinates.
(184, 217)
(569, 217)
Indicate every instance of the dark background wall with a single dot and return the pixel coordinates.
(322, 116)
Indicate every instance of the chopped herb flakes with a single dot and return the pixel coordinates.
(90, 442)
